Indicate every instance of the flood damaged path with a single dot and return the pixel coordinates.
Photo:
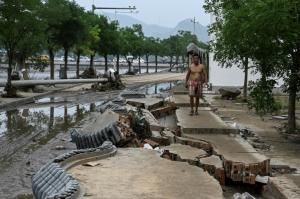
(194, 156)
(32, 134)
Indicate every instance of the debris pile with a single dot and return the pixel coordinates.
(246, 173)
(229, 93)
(254, 140)
(89, 73)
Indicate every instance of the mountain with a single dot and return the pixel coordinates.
(152, 30)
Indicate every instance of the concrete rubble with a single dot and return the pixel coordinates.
(132, 122)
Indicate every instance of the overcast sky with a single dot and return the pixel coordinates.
(161, 12)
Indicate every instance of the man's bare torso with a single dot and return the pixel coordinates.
(196, 72)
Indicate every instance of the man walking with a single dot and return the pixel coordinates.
(195, 79)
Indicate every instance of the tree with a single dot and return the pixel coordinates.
(53, 14)
(269, 33)
(279, 32)
(138, 43)
(109, 42)
(149, 49)
(157, 50)
(91, 42)
(230, 45)
(70, 32)
(16, 21)
(129, 37)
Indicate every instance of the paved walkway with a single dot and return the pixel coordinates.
(231, 147)
(184, 101)
(141, 173)
(205, 122)
(155, 77)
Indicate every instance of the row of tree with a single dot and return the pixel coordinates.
(265, 33)
(29, 27)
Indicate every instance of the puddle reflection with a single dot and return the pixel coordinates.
(26, 121)
(158, 88)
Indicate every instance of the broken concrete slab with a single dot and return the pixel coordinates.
(282, 187)
(197, 143)
(214, 166)
(98, 121)
(184, 101)
(205, 123)
(241, 162)
(148, 103)
(161, 140)
(186, 153)
(231, 147)
(212, 160)
(169, 135)
(154, 177)
(154, 123)
(163, 111)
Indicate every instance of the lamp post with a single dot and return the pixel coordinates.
(129, 60)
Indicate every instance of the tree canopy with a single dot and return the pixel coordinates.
(267, 32)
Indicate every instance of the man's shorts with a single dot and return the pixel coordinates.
(195, 88)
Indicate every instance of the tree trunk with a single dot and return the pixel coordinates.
(51, 119)
(246, 68)
(52, 67)
(66, 63)
(65, 114)
(9, 71)
(92, 61)
(291, 111)
(147, 62)
(23, 62)
(293, 92)
(177, 58)
(106, 65)
(183, 59)
(140, 65)
(118, 63)
(156, 63)
(171, 62)
(78, 65)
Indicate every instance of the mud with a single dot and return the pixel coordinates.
(31, 134)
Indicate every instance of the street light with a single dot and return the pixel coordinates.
(129, 60)
(113, 8)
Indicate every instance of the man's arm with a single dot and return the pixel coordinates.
(187, 76)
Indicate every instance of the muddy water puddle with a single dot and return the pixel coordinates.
(35, 126)
(159, 88)
(39, 122)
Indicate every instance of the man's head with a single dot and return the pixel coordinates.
(196, 59)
